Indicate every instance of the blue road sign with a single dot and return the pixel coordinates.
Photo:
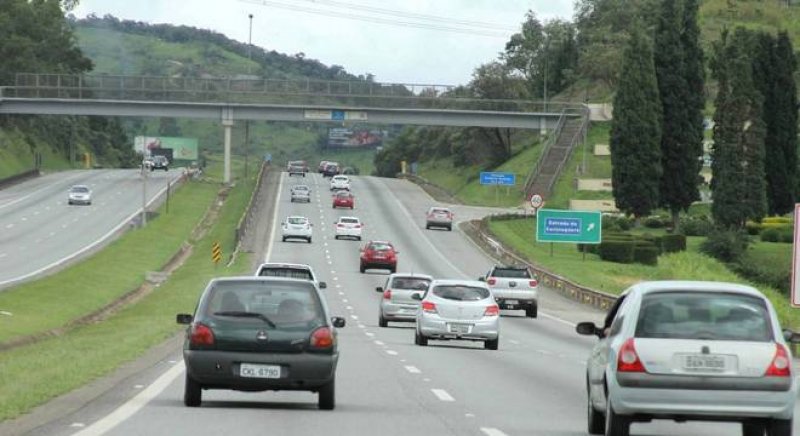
(337, 115)
(498, 178)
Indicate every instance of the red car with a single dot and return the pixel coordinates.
(379, 255)
(343, 199)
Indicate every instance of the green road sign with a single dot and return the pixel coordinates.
(583, 227)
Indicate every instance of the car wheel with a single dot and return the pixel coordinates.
(382, 321)
(420, 340)
(779, 427)
(532, 311)
(309, 240)
(427, 227)
(362, 269)
(449, 228)
(492, 345)
(753, 428)
(336, 237)
(283, 239)
(596, 420)
(192, 393)
(327, 396)
(393, 269)
(358, 238)
(616, 425)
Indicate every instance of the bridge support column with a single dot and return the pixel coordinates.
(227, 123)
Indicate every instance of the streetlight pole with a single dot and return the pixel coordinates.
(250, 43)
(546, 67)
(247, 122)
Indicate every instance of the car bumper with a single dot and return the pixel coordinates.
(220, 370)
(436, 327)
(296, 234)
(80, 200)
(399, 311)
(435, 223)
(508, 299)
(378, 264)
(692, 404)
(304, 199)
(349, 232)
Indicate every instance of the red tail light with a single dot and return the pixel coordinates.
(358, 226)
(450, 215)
(628, 360)
(321, 338)
(201, 334)
(533, 283)
(491, 282)
(340, 225)
(781, 365)
(492, 310)
(429, 307)
(387, 294)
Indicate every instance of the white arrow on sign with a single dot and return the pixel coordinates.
(591, 226)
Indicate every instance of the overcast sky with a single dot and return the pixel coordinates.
(392, 53)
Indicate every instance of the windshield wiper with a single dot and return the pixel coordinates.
(242, 314)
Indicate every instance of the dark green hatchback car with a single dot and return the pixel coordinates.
(261, 333)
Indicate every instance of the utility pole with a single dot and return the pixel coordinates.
(250, 43)
(247, 122)
(546, 67)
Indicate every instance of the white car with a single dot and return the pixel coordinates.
(690, 351)
(348, 227)
(301, 193)
(296, 227)
(79, 194)
(340, 182)
(289, 270)
(398, 303)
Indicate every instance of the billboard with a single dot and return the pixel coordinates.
(179, 148)
(341, 137)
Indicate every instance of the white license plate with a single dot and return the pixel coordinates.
(704, 363)
(252, 370)
(514, 302)
(459, 328)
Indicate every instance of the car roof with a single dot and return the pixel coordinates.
(519, 267)
(380, 242)
(300, 186)
(474, 283)
(297, 216)
(284, 265)
(79, 186)
(694, 285)
(349, 217)
(257, 279)
(410, 275)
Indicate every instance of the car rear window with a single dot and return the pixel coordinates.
(410, 283)
(461, 293)
(296, 220)
(513, 273)
(301, 188)
(379, 246)
(287, 305)
(342, 194)
(80, 189)
(289, 272)
(704, 315)
(348, 220)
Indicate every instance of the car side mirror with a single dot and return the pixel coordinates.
(379, 289)
(588, 328)
(184, 318)
(789, 336)
(338, 321)
(323, 285)
(417, 297)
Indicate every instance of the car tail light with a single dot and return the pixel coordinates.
(491, 282)
(201, 334)
(492, 310)
(387, 294)
(781, 365)
(533, 283)
(627, 359)
(358, 226)
(340, 225)
(450, 215)
(321, 338)
(429, 307)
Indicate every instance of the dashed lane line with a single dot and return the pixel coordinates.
(492, 431)
(413, 369)
(442, 395)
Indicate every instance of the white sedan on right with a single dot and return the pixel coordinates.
(348, 227)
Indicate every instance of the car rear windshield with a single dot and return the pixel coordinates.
(513, 273)
(286, 305)
(416, 283)
(295, 220)
(343, 194)
(80, 189)
(379, 246)
(440, 210)
(288, 272)
(301, 188)
(348, 220)
(704, 315)
(461, 293)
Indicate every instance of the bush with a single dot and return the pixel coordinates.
(673, 243)
(725, 245)
(787, 236)
(779, 278)
(617, 251)
(770, 235)
(696, 226)
(656, 222)
(752, 228)
(646, 254)
(777, 219)
(616, 222)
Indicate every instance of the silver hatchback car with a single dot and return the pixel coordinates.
(690, 350)
(397, 303)
(458, 309)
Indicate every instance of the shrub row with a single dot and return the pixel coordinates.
(628, 248)
(777, 235)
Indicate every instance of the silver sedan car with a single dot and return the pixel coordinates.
(690, 350)
(397, 303)
(458, 309)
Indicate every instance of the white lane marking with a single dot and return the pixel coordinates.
(36, 212)
(10, 226)
(133, 405)
(469, 415)
(333, 272)
(336, 279)
(492, 431)
(362, 326)
(370, 334)
(63, 226)
(345, 300)
(354, 316)
(555, 318)
(77, 425)
(426, 379)
(39, 241)
(545, 352)
(52, 234)
(391, 352)
(2, 255)
(338, 286)
(340, 292)
(442, 395)
(349, 307)
(379, 343)
(513, 341)
(274, 220)
(24, 219)
(413, 370)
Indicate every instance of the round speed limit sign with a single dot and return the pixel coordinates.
(536, 201)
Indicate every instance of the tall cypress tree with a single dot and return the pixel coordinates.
(636, 130)
(738, 185)
(781, 141)
(694, 73)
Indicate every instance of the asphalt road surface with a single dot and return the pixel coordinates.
(39, 232)
(533, 385)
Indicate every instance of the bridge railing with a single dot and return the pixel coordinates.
(263, 91)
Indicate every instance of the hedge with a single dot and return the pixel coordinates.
(646, 254)
(673, 243)
(617, 251)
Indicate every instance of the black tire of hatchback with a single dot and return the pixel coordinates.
(596, 420)
(779, 427)
(393, 270)
(420, 340)
(616, 425)
(753, 428)
(450, 228)
(192, 393)
(382, 321)
(492, 345)
(532, 311)
(309, 240)
(327, 396)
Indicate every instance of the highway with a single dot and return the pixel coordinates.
(39, 232)
(533, 385)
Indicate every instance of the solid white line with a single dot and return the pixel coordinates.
(442, 395)
(274, 219)
(492, 432)
(133, 405)
(413, 370)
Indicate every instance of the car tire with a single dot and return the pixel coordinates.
(596, 420)
(754, 428)
(779, 427)
(363, 269)
(492, 344)
(382, 321)
(532, 312)
(309, 240)
(449, 228)
(192, 393)
(358, 238)
(336, 237)
(427, 227)
(393, 269)
(283, 239)
(420, 340)
(327, 396)
(616, 425)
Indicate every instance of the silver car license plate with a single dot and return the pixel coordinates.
(459, 328)
(252, 370)
(704, 363)
(512, 302)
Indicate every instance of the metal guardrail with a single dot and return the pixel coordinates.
(246, 222)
